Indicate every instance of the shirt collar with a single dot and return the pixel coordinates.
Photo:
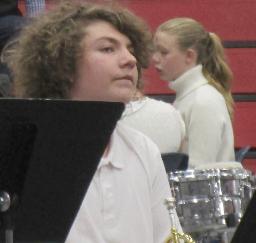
(134, 106)
(115, 153)
(187, 82)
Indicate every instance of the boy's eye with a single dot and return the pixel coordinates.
(107, 49)
(163, 52)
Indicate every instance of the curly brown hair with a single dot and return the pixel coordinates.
(46, 55)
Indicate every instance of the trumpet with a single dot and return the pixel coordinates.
(175, 236)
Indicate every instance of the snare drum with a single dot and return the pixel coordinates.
(236, 190)
(194, 191)
(191, 184)
(204, 198)
(216, 236)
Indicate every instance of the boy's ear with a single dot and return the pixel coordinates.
(191, 56)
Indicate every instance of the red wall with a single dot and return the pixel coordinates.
(242, 62)
(231, 19)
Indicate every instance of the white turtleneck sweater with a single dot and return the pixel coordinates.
(209, 133)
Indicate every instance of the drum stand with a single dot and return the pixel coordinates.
(6, 211)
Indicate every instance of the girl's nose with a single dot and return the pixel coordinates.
(155, 57)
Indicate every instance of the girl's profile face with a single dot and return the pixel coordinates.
(169, 60)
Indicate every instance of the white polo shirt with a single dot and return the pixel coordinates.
(125, 200)
(158, 120)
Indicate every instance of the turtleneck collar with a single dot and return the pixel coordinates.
(188, 81)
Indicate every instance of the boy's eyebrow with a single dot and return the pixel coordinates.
(113, 40)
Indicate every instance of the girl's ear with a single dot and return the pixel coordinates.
(191, 56)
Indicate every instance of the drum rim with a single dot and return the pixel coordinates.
(206, 174)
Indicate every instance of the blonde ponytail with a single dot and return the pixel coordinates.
(217, 71)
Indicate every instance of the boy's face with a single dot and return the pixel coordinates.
(107, 70)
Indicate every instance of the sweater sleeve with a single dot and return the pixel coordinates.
(182, 126)
(205, 131)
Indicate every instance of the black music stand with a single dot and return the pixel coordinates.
(246, 230)
(49, 151)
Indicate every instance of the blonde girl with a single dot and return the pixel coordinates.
(193, 60)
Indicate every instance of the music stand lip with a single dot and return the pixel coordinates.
(69, 138)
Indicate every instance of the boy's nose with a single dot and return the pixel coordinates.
(128, 58)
